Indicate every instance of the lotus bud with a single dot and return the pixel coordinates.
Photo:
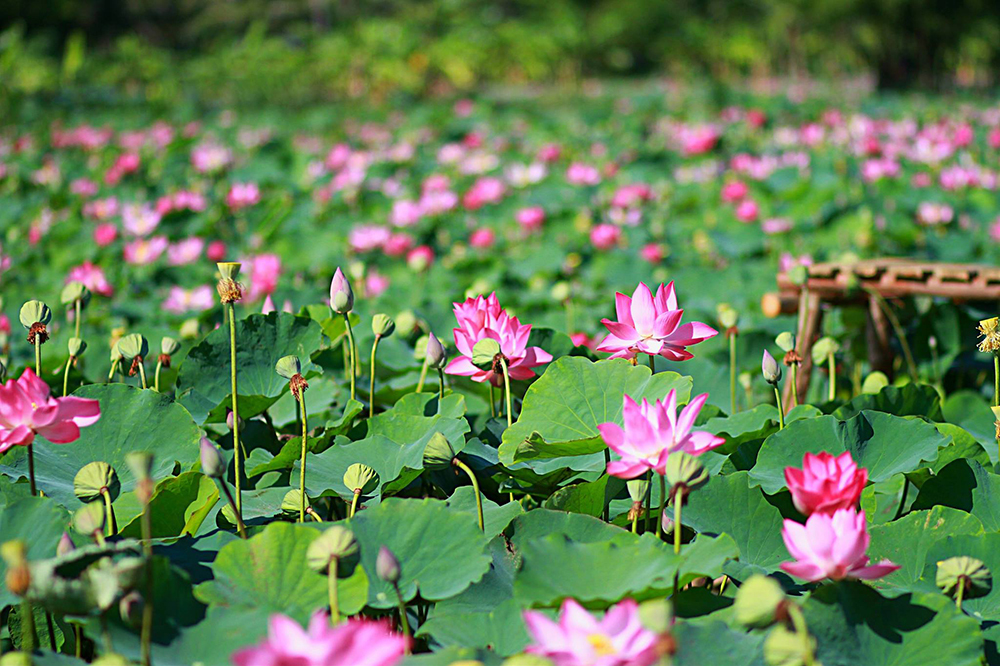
(89, 519)
(17, 659)
(727, 316)
(229, 420)
(93, 480)
(169, 346)
(73, 292)
(387, 566)
(335, 543)
(212, 463)
(341, 294)
(785, 341)
(823, 348)
(667, 522)
(35, 312)
(757, 601)
(189, 329)
(15, 554)
(770, 369)
(383, 325)
(406, 321)
(784, 647)
(683, 471)
(435, 354)
(76, 347)
(361, 479)
(932, 342)
(133, 346)
(130, 607)
(65, 545)
(484, 353)
(438, 453)
(288, 366)
(975, 578)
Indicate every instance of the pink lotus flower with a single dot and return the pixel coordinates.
(605, 236)
(140, 219)
(367, 237)
(734, 191)
(105, 234)
(376, 284)
(776, 225)
(487, 190)
(482, 238)
(629, 196)
(652, 432)
(579, 173)
(550, 152)
(263, 270)
(651, 325)
(101, 209)
(398, 244)
(210, 157)
(747, 210)
(27, 409)
(90, 276)
(652, 252)
(579, 639)
(352, 643)
(268, 306)
(825, 483)
(142, 252)
(83, 187)
(530, 218)
(831, 546)
(216, 251)
(185, 251)
(405, 213)
(242, 195)
(420, 258)
(181, 300)
(480, 318)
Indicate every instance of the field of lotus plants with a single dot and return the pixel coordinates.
(488, 382)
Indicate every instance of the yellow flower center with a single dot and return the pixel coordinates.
(601, 644)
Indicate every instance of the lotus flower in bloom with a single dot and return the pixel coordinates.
(92, 277)
(353, 643)
(652, 432)
(579, 639)
(831, 546)
(264, 270)
(181, 300)
(825, 483)
(142, 251)
(480, 318)
(652, 325)
(27, 409)
(243, 195)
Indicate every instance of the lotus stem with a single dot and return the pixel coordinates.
(142, 373)
(78, 319)
(69, 361)
(799, 622)
(607, 508)
(354, 353)
(635, 522)
(238, 506)
(38, 355)
(402, 616)
(239, 517)
(506, 390)
(732, 372)
(156, 376)
(423, 375)
(371, 385)
(28, 635)
(795, 384)
(493, 406)
(649, 503)
(78, 639)
(112, 523)
(52, 631)
(354, 503)
(331, 575)
(678, 502)
(781, 411)
(663, 505)
(832, 363)
(31, 470)
(440, 387)
(475, 487)
(109, 646)
(996, 380)
(146, 637)
(652, 363)
(302, 469)
(960, 593)
(114, 366)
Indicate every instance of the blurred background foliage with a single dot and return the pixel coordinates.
(298, 52)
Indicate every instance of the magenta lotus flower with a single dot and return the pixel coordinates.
(480, 318)
(92, 277)
(353, 643)
(579, 639)
(27, 409)
(652, 432)
(142, 251)
(242, 195)
(831, 546)
(652, 325)
(180, 300)
(826, 483)
(263, 270)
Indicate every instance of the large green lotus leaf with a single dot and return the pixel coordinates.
(712, 642)
(496, 517)
(750, 424)
(984, 547)
(599, 574)
(882, 443)
(261, 460)
(907, 541)
(562, 409)
(179, 506)
(441, 552)
(203, 379)
(269, 571)
(37, 521)
(908, 400)
(453, 655)
(576, 526)
(729, 505)
(131, 420)
(853, 624)
(588, 497)
(965, 485)
(969, 410)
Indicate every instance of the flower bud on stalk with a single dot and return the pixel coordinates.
(230, 292)
(77, 295)
(290, 368)
(75, 347)
(387, 569)
(342, 302)
(214, 467)
(323, 556)
(168, 347)
(772, 375)
(360, 480)
(134, 348)
(382, 326)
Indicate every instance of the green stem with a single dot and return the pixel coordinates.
(331, 574)
(663, 505)
(440, 387)
(112, 523)
(475, 487)
(371, 386)
(354, 504)
(302, 470)
(506, 390)
(607, 505)
(38, 355)
(142, 373)
(651, 362)
(649, 501)
(423, 376)
(732, 373)
(832, 364)
(31, 470)
(156, 376)
(493, 406)
(69, 362)
(635, 522)
(238, 505)
(354, 353)
(78, 319)
(146, 636)
(28, 635)
(996, 380)
(902, 499)
(114, 366)
(781, 409)
(239, 518)
(678, 502)
(78, 640)
(403, 620)
(52, 631)
(109, 646)
(795, 384)
(961, 591)
(799, 622)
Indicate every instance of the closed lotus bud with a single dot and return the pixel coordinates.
(727, 316)
(387, 566)
(229, 420)
(784, 647)
(169, 346)
(684, 469)
(65, 545)
(667, 522)
(130, 607)
(770, 369)
(132, 346)
(637, 489)
(341, 294)
(141, 464)
(975, 578)
(435, 354)
(15, 554)
(292, 501)
(823, 349)
(212, 463)
(35, 312)
(73, 292)
(335, 543)
(785, 341)
(757, 601)
(383, 325)
(76, 347)
(93, 480)
(89, 519)
(288, 366)
(438, 453)
(484, 353)
(361, 479)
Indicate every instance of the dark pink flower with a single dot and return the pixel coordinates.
(530, 218)
(105, 234)
(27, 409)
(242, 195)
(90, 276)
(825, 483)
(605, 236)
(482, 238)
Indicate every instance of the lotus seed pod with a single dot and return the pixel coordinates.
(76, 347)
(874, 382)
(130, 608)
(336, 542)
(341, 294)
(75, 291)
(785, 341)
(93, 480)
(229, 270)
(133, 345)
(383, 325)
(757, 601)
(727, 316)
(141, 464)
(406, 321)
(823, 348)
(560, 291)
(420, 348)
(684, 469)
(292, 501)
(784, 647)
(189, 329)
(89, 519)
(17, 659)
(484, 352)
(361, 478)
(169, 346)
(35, 312)
(770, 369)
(976, 578)
(15, 554)
(288, 366)
(637, 489)
(438, 454)
(65, 545)
(435, 354)
(116, 354)
(387, 566)
(212, 463)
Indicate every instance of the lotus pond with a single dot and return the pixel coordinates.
(488, 382)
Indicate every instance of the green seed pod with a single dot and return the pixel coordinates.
(361, 478)
(17, 659)
(683, 469)
(727, 315)
(93, 479)
(874, 382)
(288, 366)
(35, 312)
(189, 329)
(977, 579)
(292, 501)
(229, 269)
(387, 566)
(757, 601)
(76, 347)
(116, 353)
(336, 542)
(141, 464)
(637, 489)
(438, 453)
(75, 291)
(746, 380)
(784, 647)
(14, 553)
(383, 325)
(169, 346)
(406, 321)
(133, 345)
(785, 341)
(484, 352)
(823, 348)
(89, 519)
